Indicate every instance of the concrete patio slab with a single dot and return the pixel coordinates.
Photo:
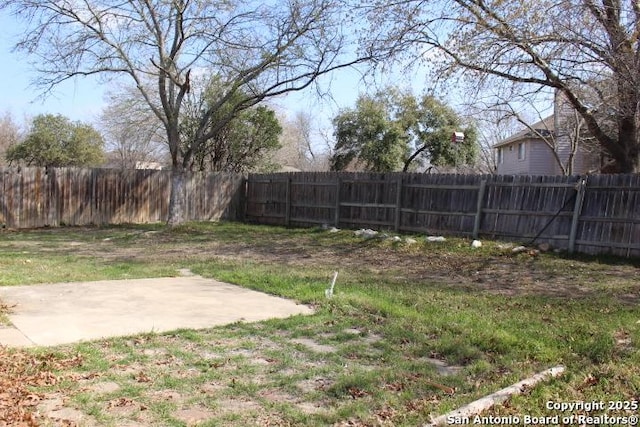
(53, 314)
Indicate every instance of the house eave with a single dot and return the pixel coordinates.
(526, 134)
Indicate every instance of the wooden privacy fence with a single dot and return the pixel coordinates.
(592, 214)
(39, 197)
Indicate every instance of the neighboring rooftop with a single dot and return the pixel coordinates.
(544, 127)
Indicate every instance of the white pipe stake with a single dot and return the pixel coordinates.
(329, 292)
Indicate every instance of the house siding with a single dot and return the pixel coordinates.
(541, 159)
(510, 164)
(585, 162)
(535, 159)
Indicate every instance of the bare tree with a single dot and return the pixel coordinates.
(298, 149)
(260, 49)
(565, 45)
(133, 135)
(303, 123)
(9, 135)
(493, 127)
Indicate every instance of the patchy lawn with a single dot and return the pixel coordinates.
(413, 330)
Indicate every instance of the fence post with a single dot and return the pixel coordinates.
(577, 210)
(398, 204)
(287, 206)
(336, 220)
(476, 223)
(243, 199)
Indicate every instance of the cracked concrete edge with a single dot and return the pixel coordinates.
(498, 397)
(13, 337)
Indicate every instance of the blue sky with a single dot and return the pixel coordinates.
(78, 100)
(83, 99)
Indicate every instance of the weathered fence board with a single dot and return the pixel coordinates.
(39, 197)
(594, 214)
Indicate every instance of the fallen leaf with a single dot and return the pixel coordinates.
(19, 372)
(120, 402)
(589, 381)
(356, 392)
(142, 377)
(446, 389)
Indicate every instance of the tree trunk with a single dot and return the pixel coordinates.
(628, 156)
(177, 214)
(634, 157)
(629, 161)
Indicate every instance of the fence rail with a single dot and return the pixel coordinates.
(40, 197)
(594, 214)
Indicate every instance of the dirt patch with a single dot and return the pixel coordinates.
(278, 396)
(130, 423)
(310, 407)
(227, 406)
(262, 361)
(314, 345)
(70, 416)
(50, 403)
(442, 367)
(166, 395)
(51, 411)
(314, 384)
(104, 388)
(366, 337)
(193, 416)
(124, 407)
(213, 388)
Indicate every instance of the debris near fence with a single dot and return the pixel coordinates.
(366, 233)
(523, 249)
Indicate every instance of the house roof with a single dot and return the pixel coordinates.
(544, 127)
